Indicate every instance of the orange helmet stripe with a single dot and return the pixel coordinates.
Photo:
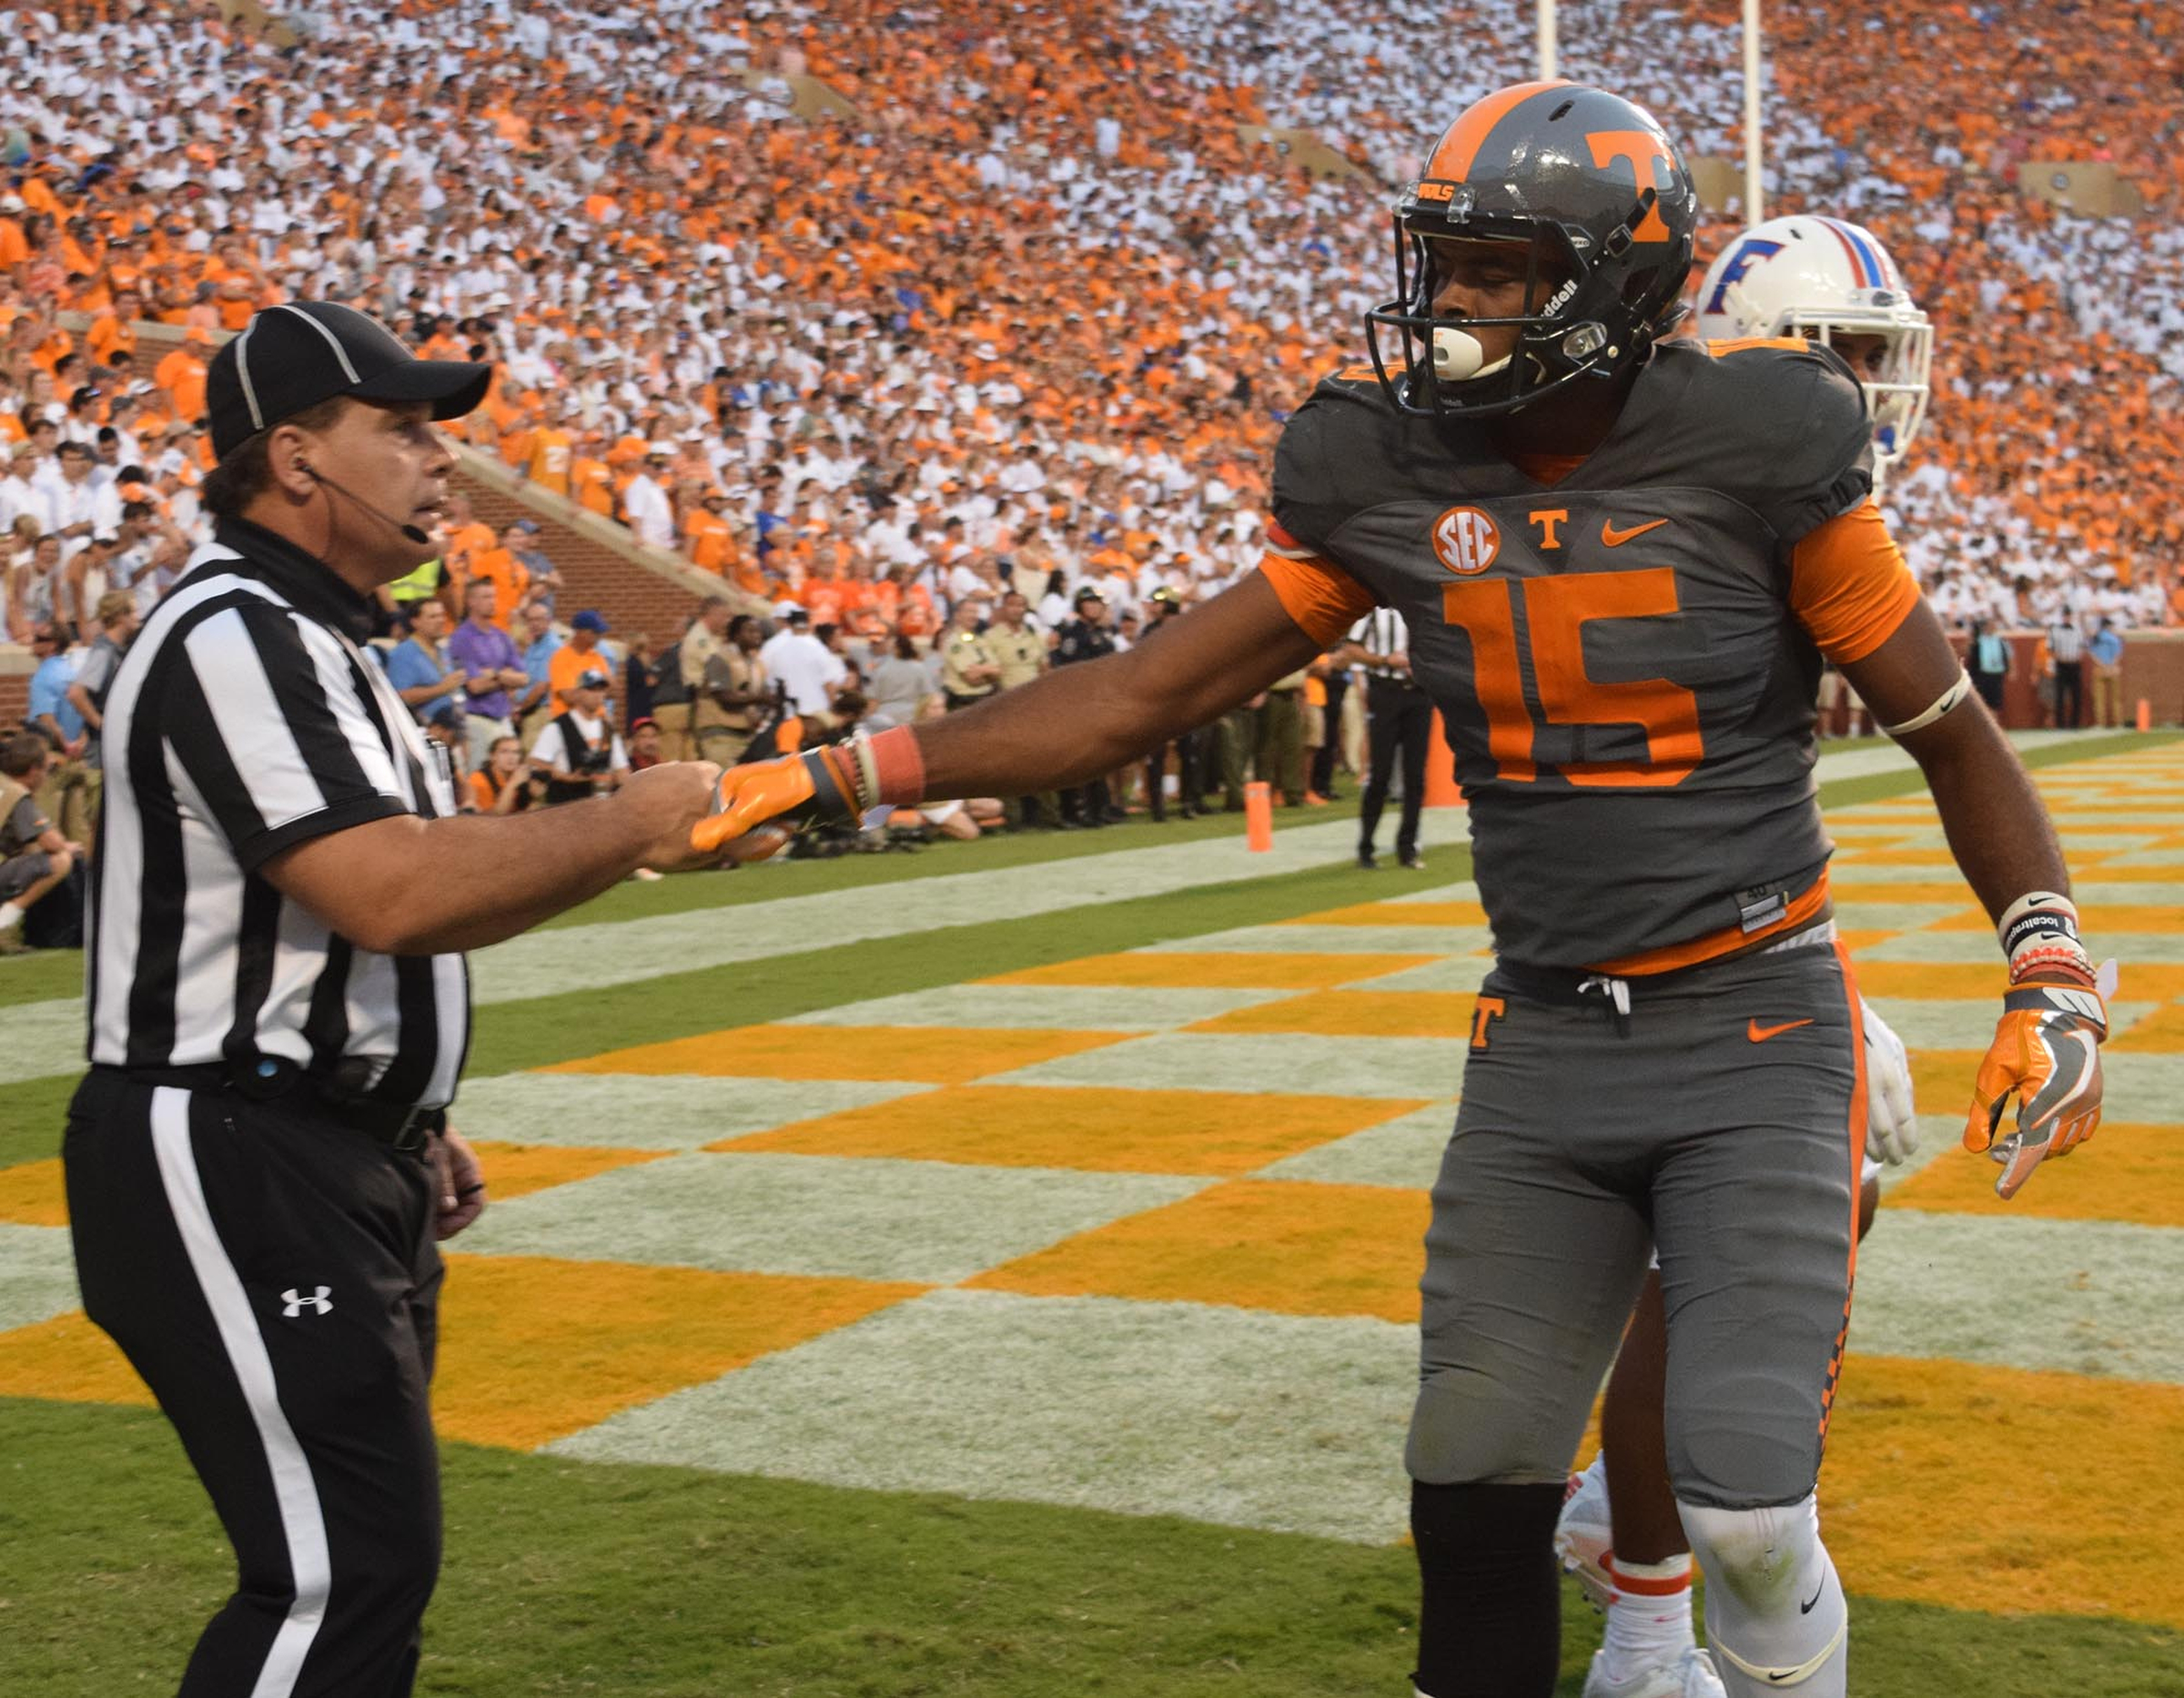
(1452, 160)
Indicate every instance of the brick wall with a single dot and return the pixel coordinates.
(634, 597)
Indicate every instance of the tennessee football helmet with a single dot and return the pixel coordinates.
(1602, 202)
(1825, 279)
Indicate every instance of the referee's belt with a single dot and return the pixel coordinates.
(400, 1126)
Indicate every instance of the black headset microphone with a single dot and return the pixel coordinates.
(414, 532)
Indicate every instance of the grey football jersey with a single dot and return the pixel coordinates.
(1628, 693)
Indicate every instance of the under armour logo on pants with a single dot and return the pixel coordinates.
(293, 1301)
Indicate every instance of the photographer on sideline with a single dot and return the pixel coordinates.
(580, 753)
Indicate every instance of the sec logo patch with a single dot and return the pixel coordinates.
(1465, 541)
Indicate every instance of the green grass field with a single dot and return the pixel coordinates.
(647, 1580)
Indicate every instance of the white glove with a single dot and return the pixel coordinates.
(1891, 1125)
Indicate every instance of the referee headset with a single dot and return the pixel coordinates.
(414, 532)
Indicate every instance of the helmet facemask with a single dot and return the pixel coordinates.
(1896, 397)
(1577, 327)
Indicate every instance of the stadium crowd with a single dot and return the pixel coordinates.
(1025, 325)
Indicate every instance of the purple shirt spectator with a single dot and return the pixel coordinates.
(484, 648)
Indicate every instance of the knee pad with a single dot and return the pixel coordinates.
(1775, 1616)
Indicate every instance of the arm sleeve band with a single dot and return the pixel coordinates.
(1324, 600)
(1940, 705)
(1849, 586)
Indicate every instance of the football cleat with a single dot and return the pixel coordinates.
(1690, 1675)
(1582, 1537)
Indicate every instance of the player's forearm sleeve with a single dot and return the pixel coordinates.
(1849, 586)
(1322, 598)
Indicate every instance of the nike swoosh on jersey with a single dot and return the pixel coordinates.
(1759, 1034)
(1615, 539)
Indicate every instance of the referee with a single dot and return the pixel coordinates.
(258, 1162)
(1400, 723)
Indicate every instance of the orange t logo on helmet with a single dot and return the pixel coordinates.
(1635, 147)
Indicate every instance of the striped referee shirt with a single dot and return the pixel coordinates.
(246, 719)
(1382, 631)
(2066, 642)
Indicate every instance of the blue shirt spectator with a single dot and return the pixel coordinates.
(49, 687)
(420, 668)
(2106, 646)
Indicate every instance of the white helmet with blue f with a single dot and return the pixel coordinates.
(1833, 282)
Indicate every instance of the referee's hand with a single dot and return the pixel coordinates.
(671, 798)
(458, 1183)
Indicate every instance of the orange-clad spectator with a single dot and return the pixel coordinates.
(591, 479)
(552, 455)
(467, 539)
(499, 566)
(181, 374)
(707, 540)
(579, 656)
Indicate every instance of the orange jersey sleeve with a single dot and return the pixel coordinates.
(1324, 600)
(1849, 586)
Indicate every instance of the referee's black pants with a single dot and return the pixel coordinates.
(1400, 724)
(2069, 693)
(273, 1278)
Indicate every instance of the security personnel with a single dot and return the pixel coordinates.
(1086, 638)
(1019, 650)
(259, 1161)
(1163, 606)
(969, 671)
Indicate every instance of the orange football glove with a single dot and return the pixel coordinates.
(787, 793)
(2046, 1052)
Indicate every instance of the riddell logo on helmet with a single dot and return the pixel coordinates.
(1465, 541)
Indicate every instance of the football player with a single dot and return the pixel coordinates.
(1619, 558)
(1836, 284)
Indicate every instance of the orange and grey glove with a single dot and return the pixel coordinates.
(784, 794)
(2046, 1048)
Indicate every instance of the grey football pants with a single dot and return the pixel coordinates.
(1720, 1119)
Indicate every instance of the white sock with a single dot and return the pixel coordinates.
(1650, 1620)
(9, 915)
(1595, 1472)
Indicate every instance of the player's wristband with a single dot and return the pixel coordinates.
(890, 770)
(2039, 933)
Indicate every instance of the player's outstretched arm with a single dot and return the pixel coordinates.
(1062, 728)
(1076, 723)
(2045, 1052)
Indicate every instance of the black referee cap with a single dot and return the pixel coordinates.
(291, 357)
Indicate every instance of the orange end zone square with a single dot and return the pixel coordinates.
(2161, 1032)
(519, 1170)
(1354, 1013)
(1296, 1248)
(67, 1359)
(2098, 918)
(1847, 888)
(2127, 1173)
(2047, 1486)
(926, 1054)
(1396, 914)
(32, 1195)
(532, 1348)
(1934, 979)
(1232, 969)
(1092, 1129)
